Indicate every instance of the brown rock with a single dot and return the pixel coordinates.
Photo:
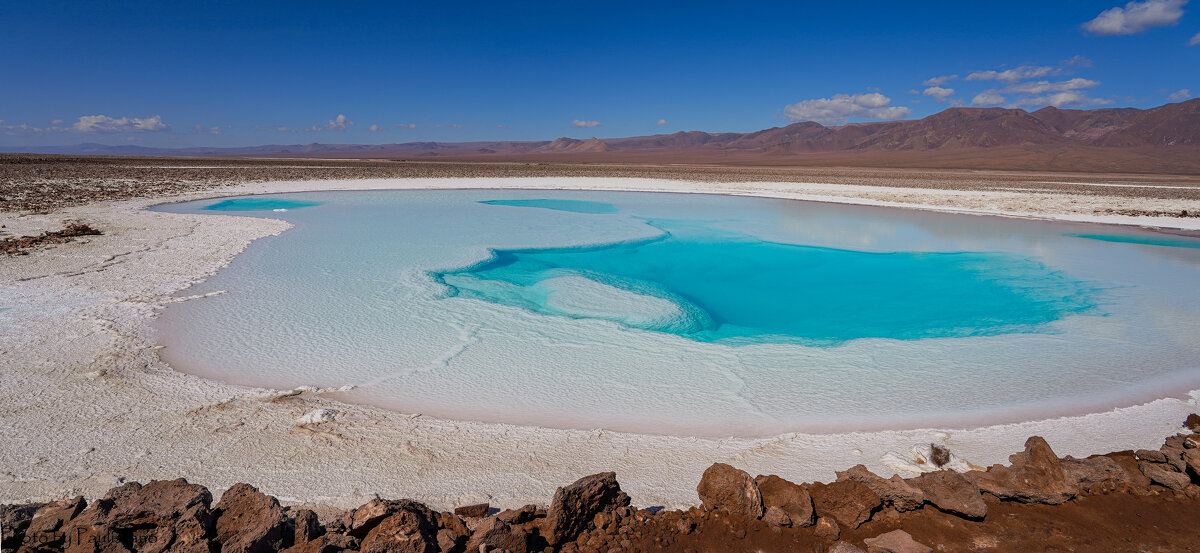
(574, 506)
(1192, 422)
(473, 511)
(827, 529)
(364, 518)
(1151, 455)
(518, 516)
(448, 541)
(306, 527)
(776, 516)
(1173, 450)
(14, 520)
(1191, 458)
(939, 455)
(950, 492)
(45, 527)
(726, 488)
(850, 503)
(406, 530)
(791, 498)
(896, 541)
(845, 547)
(494, 533)
(328, 543)
(249, 521)
(1098, 474)
(1036, 476)
(1165, 475)
(163, 514)
(894, 492)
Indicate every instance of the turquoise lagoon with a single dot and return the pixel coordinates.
(692, 314)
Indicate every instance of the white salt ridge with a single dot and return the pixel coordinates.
(73, 311)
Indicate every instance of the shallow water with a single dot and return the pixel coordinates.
(690, 314)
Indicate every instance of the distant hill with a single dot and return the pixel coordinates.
(1163, 139)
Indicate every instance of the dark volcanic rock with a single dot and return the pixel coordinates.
(792, 499)
(1036, 476)
(848, 502)
(574, 506)
(894, 491)
(249, 521)
(726, 488)
(949, 491)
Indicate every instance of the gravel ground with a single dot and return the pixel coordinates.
(41, 183)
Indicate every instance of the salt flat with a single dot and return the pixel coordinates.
(88, 403)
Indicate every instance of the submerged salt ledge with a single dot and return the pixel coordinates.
(74, 304)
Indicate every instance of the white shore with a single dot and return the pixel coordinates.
(86, 402)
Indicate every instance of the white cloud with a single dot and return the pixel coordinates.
(1042, 87)
(106, 124)
(339, 123)
(24, 129)
(988, 98)
(583, 124)
(1136, 17)
(376, 128)
(661, 122)
(1017, 74)
(56, 122)
(1070, 98)
(1178, 95)
(940, 94)
(1195, 40)
(211, 131)
(406, 125)
(1078, 61)
(501, 126)
(841, 107)
(282, 128)
(939, 81)
(454, 126)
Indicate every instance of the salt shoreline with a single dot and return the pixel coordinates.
(89, 403)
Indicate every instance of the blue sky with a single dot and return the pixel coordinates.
(221, 73)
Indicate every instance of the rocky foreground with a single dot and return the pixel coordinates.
(1145, 500)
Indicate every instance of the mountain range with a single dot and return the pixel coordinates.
(1164, 139)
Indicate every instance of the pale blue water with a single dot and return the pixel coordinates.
(574, 206)
(257, 204)
(1159, 240)
(736, 288)
(692, 314)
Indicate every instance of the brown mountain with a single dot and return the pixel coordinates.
(1164, 139)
